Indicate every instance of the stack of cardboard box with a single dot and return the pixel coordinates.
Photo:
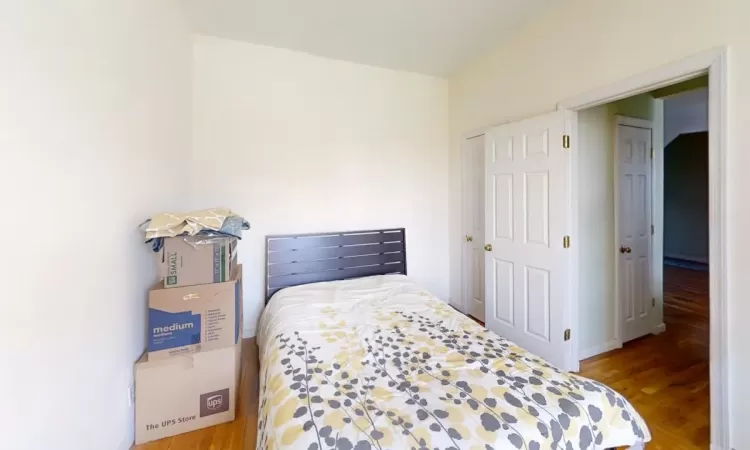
(188, 378)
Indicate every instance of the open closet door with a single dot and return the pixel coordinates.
(527, 209)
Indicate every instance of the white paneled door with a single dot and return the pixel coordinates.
(473, 253)
(527, 209)
(634, 231)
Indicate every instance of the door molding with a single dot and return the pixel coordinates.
(649, 125)
(715, 63)
(464, 304)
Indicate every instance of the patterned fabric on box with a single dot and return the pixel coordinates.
(220, 220)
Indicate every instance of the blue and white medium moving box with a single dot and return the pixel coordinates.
(184, 393)
(189, 319)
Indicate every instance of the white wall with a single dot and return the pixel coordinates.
(596, 275)
(583, 44)
(298, 143)
(596, 219)
(94, 127)
(686, 112)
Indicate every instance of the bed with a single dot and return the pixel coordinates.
(356, 355)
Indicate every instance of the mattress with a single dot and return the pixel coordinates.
(380, 363)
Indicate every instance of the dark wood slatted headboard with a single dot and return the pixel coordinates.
(297, 259)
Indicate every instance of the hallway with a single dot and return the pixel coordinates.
(666, 377)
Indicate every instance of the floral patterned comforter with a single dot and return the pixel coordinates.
(379, 363)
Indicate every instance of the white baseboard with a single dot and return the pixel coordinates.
(690, 258)
(128, 442)
(458, 305)
(248, 333)
(599, 349)
(661, 328)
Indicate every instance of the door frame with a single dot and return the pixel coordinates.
(653, 288)
(715, 63)
(465, 306)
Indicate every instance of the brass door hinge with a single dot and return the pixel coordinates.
(652, 153)
(566, 335)
(653, 302)
(566, 242)
(652, 230)
(566, 141)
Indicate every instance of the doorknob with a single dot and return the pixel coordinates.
(488, 248)
(625, 249)
(469, 238)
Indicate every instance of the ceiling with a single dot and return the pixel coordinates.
(432, 37)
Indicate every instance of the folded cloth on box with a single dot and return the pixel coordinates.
(209, 223)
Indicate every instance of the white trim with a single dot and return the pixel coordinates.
(717, 216)
(463, 304)
(635, 122)
(668, 74)
(481, 131)
(573, 357)
(648, 125)
(614, 344)
(688, 258)
(659, 329)
(657, 211)
(128, 442)
(714, 62)
(248, 333)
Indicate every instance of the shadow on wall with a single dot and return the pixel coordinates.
(686, 198)
(685, 112)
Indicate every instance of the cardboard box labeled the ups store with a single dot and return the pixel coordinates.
(191, 319)
(185, 393)
(184, 264)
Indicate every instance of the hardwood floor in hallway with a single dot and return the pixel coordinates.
(666, 377)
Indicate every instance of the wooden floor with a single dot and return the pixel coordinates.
(665, 377)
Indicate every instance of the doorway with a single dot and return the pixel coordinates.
(653, 345)
(473, 227)
(713, 63)
(568, 293)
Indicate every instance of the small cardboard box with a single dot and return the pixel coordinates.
(185, 393)
(191, 319)
(183, 264)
